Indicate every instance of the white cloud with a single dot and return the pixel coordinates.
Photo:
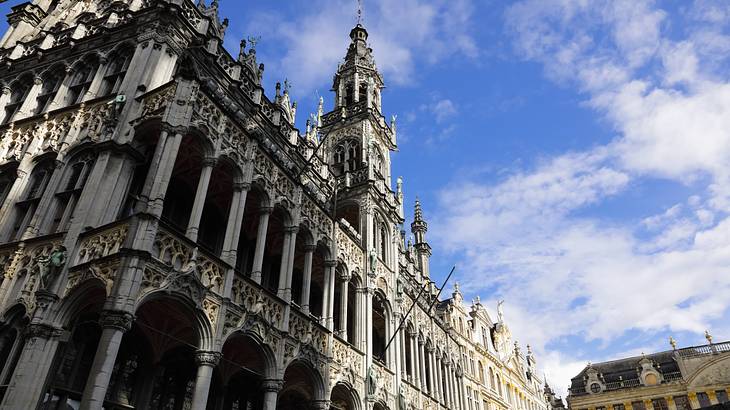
(528, 235)
(402, 34)
(444, 109)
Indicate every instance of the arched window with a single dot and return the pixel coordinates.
(499, 386)
(363, 95)
(379, 163)
(380, 329)
(115, 71)
(69, 191)
(18, 92)
(51, 82)
(383, 240)
(346, 156)
(81, 81)
(491, 379)
(481, 372)
(26, 207)
(8, 174)
(349, 94)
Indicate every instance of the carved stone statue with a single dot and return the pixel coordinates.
(50, 267)
(500, 312)
(373, 261)
(372, 381)
(258, 305)
(402, 399)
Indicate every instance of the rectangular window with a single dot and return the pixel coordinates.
(721, 396)
(638, 405)
(619, 406)
(659, 404)
(682, 402)
(704, 399)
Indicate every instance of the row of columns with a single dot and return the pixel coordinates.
(439, 378)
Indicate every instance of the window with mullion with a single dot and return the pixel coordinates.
(19, 92)
(80, 83)
(49, 89)
(115, 73)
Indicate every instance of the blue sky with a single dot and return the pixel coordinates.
(572, 156)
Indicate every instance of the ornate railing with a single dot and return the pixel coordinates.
(101, 242)
(257, 301)
(698, 351)
(183, 255)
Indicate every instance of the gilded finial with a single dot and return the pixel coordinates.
(673, 343)
(359, 12)
(708, 336)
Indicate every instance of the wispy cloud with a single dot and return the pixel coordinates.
(528, 236)
(403, 34)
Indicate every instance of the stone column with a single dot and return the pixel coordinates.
(33, 368)
(114, 325)
(235, 221)
(307, 279)
(258, 258)
(422, 361)
(431, 364)
(437, 380)
(206, 362)
(404, 362)
(414, 360)
(329, 290)
(320, 404)
(671, 404)
(199, 203)
(162, 165)
(345, 280)
(271, 389)
(445, 373)
(284, 277)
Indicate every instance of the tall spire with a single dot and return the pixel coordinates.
(359, 12)
(419, 228)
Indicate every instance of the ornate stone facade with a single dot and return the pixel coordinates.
(678, 379)
(169, 239)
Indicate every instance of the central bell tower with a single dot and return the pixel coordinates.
(358, 143)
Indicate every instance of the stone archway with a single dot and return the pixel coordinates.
(302, 388)
(344, 397)
(242, 373)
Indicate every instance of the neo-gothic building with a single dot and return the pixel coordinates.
(169, 239)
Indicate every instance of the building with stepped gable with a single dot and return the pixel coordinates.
(679, 379)
(170, 240)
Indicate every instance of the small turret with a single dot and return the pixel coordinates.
(423, 249)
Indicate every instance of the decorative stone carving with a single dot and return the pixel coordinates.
(106, 272)
(117, 319)
(155, 103)
(102, 244)
(203, 358)
(211, 309)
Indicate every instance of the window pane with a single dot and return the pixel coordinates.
(704, 399)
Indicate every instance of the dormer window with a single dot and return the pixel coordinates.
(346, 156)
